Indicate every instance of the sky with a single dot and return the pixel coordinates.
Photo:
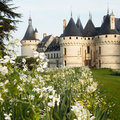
(47, 15)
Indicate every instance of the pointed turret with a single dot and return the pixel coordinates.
(107, 25)
(29, 35)
(79, 26)
(89, 29)
(71, 29)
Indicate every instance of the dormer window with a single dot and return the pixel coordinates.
(76, 37)
(88, 38)
(63, 38)
(115, 36)
(106, 36)
(69, 37)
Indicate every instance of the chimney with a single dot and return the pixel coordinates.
(112, 21)
(44, 35)
(36, 34)
(57, 39)
(64, 24)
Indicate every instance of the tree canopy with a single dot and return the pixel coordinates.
(8, 20)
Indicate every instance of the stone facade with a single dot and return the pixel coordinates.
(95, 47)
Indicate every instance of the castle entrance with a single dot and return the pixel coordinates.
(88, 63)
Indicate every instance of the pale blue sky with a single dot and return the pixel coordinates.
(48, 15)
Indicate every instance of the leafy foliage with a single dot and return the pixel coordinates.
(7, 21)
(47, 94)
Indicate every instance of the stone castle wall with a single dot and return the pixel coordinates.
(28, 47)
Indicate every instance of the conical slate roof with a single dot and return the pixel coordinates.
(79, 26)
(71, 29)
(30, 33)
(89, 29)
(105, 27)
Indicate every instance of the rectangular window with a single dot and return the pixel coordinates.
(54, 55)
(48, 64)
(88, 49)
(51, 55)
(65, 63)
(57, 63)
(99, 63)
(99, 50)
(64, 51)
(48, 56)
(57, 55)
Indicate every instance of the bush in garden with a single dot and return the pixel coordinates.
(47, 94)
(115, 72)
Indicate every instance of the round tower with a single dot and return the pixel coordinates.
(70, 46)
(108, 44)
(89, 45)
(29, 41)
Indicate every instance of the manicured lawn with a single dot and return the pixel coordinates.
(110, 86)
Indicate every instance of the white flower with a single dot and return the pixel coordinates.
(36, 54)
(1, 84)
(92, 118)
(39, 69)
(45, 65)
(3, 70)
(7, 57)
(24, 60)
(7, 117)
(31, 97)
(6, 82)
(92, 88)
(25, 68)
(11, 61)
(19, 88)
(42, 56)
(1, 98)
(5, 90)
(51, 104)
(80, 111)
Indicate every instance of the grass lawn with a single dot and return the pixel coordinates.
(110, 86)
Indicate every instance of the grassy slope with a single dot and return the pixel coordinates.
(110, 85)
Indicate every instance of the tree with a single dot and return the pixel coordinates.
(7, 21)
